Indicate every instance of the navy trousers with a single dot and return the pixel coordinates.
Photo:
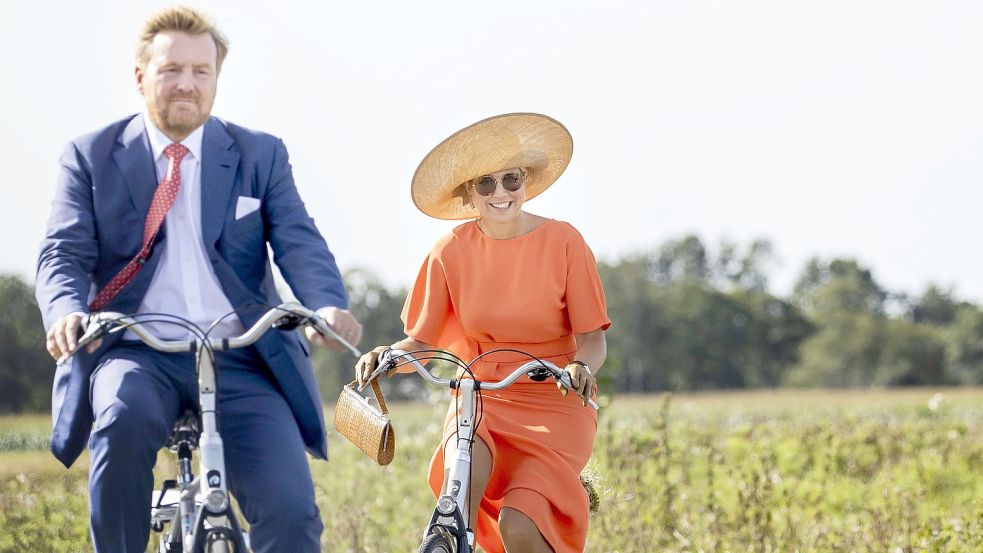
(137, 393)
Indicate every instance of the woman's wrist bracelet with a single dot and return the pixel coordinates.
(582, 364)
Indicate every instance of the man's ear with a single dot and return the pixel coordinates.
(138, 73)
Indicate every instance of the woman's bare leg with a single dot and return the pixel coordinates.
(520, 534)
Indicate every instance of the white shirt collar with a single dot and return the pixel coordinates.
(159, 140)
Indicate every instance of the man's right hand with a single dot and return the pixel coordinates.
(63, 337)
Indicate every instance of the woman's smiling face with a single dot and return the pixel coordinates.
(499, 204)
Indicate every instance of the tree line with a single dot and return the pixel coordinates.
(685, 318)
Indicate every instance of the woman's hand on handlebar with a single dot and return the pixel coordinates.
(368, 363)
(582, 382)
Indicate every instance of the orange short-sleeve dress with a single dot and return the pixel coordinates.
(531, 293)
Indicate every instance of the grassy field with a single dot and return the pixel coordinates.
(878, 471)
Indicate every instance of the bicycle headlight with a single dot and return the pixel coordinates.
(446, 505)
(216, 501)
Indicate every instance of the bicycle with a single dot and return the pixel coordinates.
(448, 530)
(200, 510)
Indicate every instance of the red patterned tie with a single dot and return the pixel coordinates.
(163, 199)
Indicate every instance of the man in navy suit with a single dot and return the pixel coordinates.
(219, 194)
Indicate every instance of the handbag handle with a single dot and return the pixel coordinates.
(377, 391)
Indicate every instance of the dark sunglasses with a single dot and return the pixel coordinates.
(487, 184)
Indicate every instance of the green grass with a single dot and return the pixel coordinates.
(745, 471)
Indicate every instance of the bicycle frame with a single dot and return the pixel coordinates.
(211, 487)
(451, 516)
(204, 509)
(455, 501)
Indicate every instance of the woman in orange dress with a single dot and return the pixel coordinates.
(511, 279)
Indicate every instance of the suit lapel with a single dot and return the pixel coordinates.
(218, 170)
(136, 163)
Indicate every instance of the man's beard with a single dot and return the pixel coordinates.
(183, 120)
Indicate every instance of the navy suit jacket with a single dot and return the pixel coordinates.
(105, 185)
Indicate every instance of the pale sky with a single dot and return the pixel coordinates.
(835, 128)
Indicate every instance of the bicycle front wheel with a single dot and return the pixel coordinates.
(225, 541)
(436, 543)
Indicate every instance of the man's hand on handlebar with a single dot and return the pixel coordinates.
(581, 381)
(368, 363)
(342, 322)
(62, 338)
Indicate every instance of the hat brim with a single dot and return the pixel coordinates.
(536, 142)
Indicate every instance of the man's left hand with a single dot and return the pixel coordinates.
(342, 322)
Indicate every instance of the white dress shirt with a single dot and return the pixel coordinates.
(184, 284)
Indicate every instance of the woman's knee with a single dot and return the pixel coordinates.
(519, 532)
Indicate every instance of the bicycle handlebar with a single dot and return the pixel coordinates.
(389, 357)
(99, 324)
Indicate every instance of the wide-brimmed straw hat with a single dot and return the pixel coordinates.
(536, 142)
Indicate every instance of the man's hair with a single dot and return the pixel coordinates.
(185, 20)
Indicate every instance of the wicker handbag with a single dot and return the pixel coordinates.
(364, 424)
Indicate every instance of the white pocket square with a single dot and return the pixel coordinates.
(246, 206)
